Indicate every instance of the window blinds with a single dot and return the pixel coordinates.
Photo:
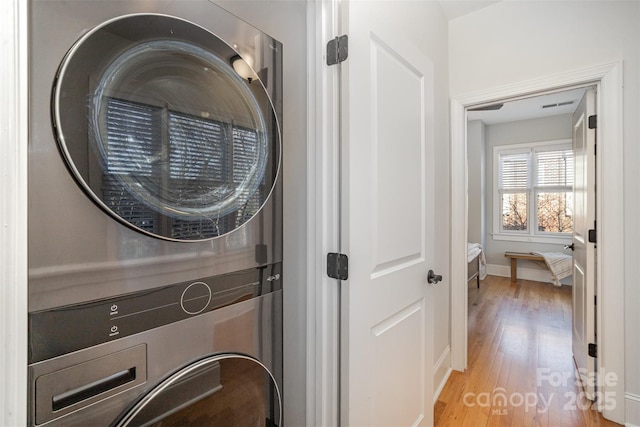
(191, 155)
(554, 168)
(514, 171)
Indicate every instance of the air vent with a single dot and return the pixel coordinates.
(559, 104)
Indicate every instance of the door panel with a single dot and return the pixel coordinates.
(579, 299)
(399, 164)
(584, 255)
(387, 104)
(404, 388)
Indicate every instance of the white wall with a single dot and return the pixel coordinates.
(286, 21)
(476, 182)
(511, 42)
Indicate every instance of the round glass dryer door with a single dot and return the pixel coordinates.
(160, 130)
(225, 391)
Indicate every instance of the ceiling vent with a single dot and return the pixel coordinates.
(558, 104)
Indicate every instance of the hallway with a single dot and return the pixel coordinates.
(520, 371)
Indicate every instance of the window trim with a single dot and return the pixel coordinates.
(530, 235)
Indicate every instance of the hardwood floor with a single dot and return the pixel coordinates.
(520, 368)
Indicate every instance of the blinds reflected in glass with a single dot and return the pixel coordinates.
(133, 132)
(199, 150)
(183, 158)
(245, 146)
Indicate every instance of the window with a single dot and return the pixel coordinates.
(533, 187)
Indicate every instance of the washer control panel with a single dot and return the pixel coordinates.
(65, 329)
(195, 298)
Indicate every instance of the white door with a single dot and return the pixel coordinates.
(584, 254)
(387, 105)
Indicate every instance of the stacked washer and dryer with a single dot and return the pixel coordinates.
(155, 216)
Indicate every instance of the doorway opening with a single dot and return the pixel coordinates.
(520, 180)
(610, 235)
(524, 157)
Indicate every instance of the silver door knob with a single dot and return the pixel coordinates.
(433, 278)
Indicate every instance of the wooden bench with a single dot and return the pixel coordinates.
(515, 256)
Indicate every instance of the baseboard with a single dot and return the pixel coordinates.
(538, 275)
(631, 410)
(441, 372)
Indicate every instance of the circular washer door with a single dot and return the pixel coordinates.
(161, 132)
(224, 390)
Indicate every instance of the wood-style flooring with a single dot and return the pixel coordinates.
(520, 368)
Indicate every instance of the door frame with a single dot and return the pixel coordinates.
(323, 302)
(13, 235)
(610, 231)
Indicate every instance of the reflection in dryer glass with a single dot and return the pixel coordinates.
(229, 392)
(191, 162)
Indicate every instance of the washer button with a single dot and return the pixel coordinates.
(195, 298)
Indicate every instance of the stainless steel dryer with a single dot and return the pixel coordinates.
(155, 215)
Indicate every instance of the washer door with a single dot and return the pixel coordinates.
(226, 390)
(160, 130)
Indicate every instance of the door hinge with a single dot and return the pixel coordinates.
(337, 50)
(337, 266)
(592, 237)
(593, 122)
(593, 350)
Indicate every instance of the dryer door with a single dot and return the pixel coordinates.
(162, 132)
(224, 390)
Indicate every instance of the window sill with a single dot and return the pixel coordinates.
(560, 240)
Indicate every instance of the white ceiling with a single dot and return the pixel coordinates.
(531, 108)
(455, 8)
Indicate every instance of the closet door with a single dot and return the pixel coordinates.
(388, 119)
